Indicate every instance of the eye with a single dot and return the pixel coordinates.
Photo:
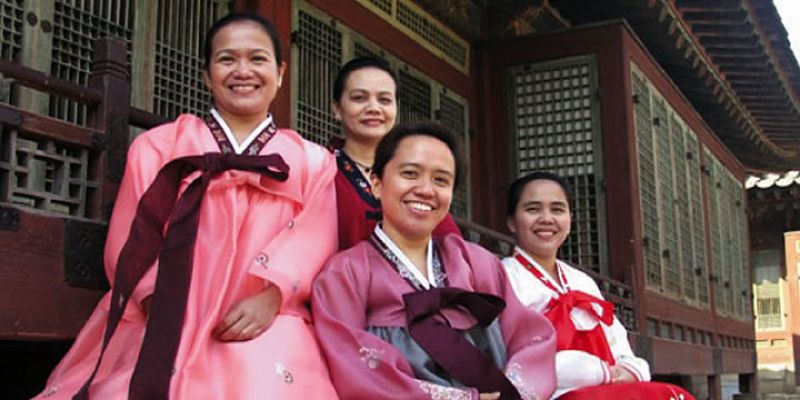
(386, 100)
(259, 58)
(225, 59)
(409, 173)
(532, 209)
(443, 181)
(358, 97)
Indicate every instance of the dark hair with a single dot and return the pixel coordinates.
(388, 145)
(355, 65)
(237, 17)
(515, 191)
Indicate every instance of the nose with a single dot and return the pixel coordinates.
(243, 68)
(424, 188)
(545, 216)
(373, 105)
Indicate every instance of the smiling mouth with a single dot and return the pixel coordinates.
(243, 88)
(417, 206)
(545, 234)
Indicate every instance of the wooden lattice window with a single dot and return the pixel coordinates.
(556, 128)
(322, 45)
(670, 195)
(10, 28)
(178, 81)
(45, 174)
(76, 24)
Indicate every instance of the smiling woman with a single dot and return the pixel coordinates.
(408, 315)
(364, 101)
(207, 249)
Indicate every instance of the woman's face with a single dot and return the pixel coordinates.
(542, 219)
(367, 108)
(243, 74)
(416, 188)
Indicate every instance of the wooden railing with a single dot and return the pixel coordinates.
(614, 291)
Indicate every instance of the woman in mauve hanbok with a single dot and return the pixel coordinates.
(218, 230)
(594, 359)
(365, 104)
(405, 315)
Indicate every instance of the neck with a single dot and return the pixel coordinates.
(548, 263)
(416, 249)
(241, 126)
(362, 153)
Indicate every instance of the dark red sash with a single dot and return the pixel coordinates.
(175, 253)
(447, 346)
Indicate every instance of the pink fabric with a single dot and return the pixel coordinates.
(359, 288)
(253, 232)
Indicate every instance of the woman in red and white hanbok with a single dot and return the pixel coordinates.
(594, 359)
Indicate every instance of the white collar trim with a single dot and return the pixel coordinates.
(558, 284)
(426, 281)
(237, 147)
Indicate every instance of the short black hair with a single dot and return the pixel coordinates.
(355, 65)
(515, 191)
(387, 147)
(236, 17)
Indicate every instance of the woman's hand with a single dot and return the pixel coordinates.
(621, 375)
(489, 396)
(250, 317)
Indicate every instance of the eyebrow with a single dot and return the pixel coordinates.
(539, 202)
(418, 165)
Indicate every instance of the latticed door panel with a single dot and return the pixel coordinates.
(698, 222)
(10, 30)
(647, 179)
(556, 126)
(671, 196)
(414, 98)
(178, 80)
(683, 225)
(76, 24)
(669, 249)
(319, 48)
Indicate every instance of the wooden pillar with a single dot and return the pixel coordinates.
(143, 62)
(714, 387)
(110, 76)
(37, 50)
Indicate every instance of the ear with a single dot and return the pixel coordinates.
(511, 224)
(206, 79)
(376, 185)
(337, 110)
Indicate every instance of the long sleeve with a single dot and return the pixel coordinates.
(362, 366)
(292, 259)
(623, 355)
(529, 337)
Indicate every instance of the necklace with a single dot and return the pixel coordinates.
(364, 167)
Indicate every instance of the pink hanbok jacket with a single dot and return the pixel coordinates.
(359, 290)
(253, 232)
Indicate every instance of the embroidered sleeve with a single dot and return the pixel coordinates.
(438, 392)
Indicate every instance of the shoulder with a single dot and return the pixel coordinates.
(314, 157)
(160, 143)
(580, 280)
(352, 262)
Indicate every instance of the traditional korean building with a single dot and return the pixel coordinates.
(655, 110)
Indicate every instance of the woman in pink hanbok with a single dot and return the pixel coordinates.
(408, 315)
(219, 227)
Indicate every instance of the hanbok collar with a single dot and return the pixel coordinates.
(263, 132)
(405, 267)
(350, 170)
(559, 285)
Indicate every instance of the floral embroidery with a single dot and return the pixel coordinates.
(225, 145)
(284, 373)
(514, 375)
(439, 392)
(348, 167)
(371, 356)
(439, 276)
(52, 390)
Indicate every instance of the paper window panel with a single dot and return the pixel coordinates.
(669, 247)
(698, 218)
(453, 114)
(413, 98)
(557, 129)
(76, 24)
(683, 224)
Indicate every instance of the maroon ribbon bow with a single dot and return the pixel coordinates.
(559, 308)
(175, 253)
(447, 346)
